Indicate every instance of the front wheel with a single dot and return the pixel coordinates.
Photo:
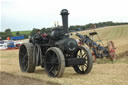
(54, 62)
(83, 52)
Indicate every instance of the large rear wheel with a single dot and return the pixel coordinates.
(83, 52)
(54, 62)
(26, 58)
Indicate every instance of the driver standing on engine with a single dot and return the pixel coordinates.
(35, 38)
(39, 38)
(37, 35)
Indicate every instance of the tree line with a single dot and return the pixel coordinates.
(98, 25)
(72, 28)
(9, 33)
(81, 27)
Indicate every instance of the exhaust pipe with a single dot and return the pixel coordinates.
(64, 14)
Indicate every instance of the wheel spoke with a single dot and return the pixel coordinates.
(85, 65)
(84, 55)
(51, 69)
(81, 53)
(82, 67)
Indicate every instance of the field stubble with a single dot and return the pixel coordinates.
(101, 74)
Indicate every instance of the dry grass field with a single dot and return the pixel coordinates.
(118, 34)
(101, 74)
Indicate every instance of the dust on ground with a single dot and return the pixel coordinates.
(10, 79)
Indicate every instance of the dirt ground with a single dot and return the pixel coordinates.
(101, 74)
(10, 79)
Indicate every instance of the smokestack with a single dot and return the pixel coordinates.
(64, 14)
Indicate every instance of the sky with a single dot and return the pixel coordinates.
(22, 15)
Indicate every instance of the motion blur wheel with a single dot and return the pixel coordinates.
(25, 58)
(54, 62)
(37, 55)
(83, 52)
(111, 49)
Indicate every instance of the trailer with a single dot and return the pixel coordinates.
(17, 37)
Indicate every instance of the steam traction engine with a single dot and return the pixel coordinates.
(54, 52)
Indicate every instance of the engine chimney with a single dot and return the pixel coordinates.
(64, 14)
